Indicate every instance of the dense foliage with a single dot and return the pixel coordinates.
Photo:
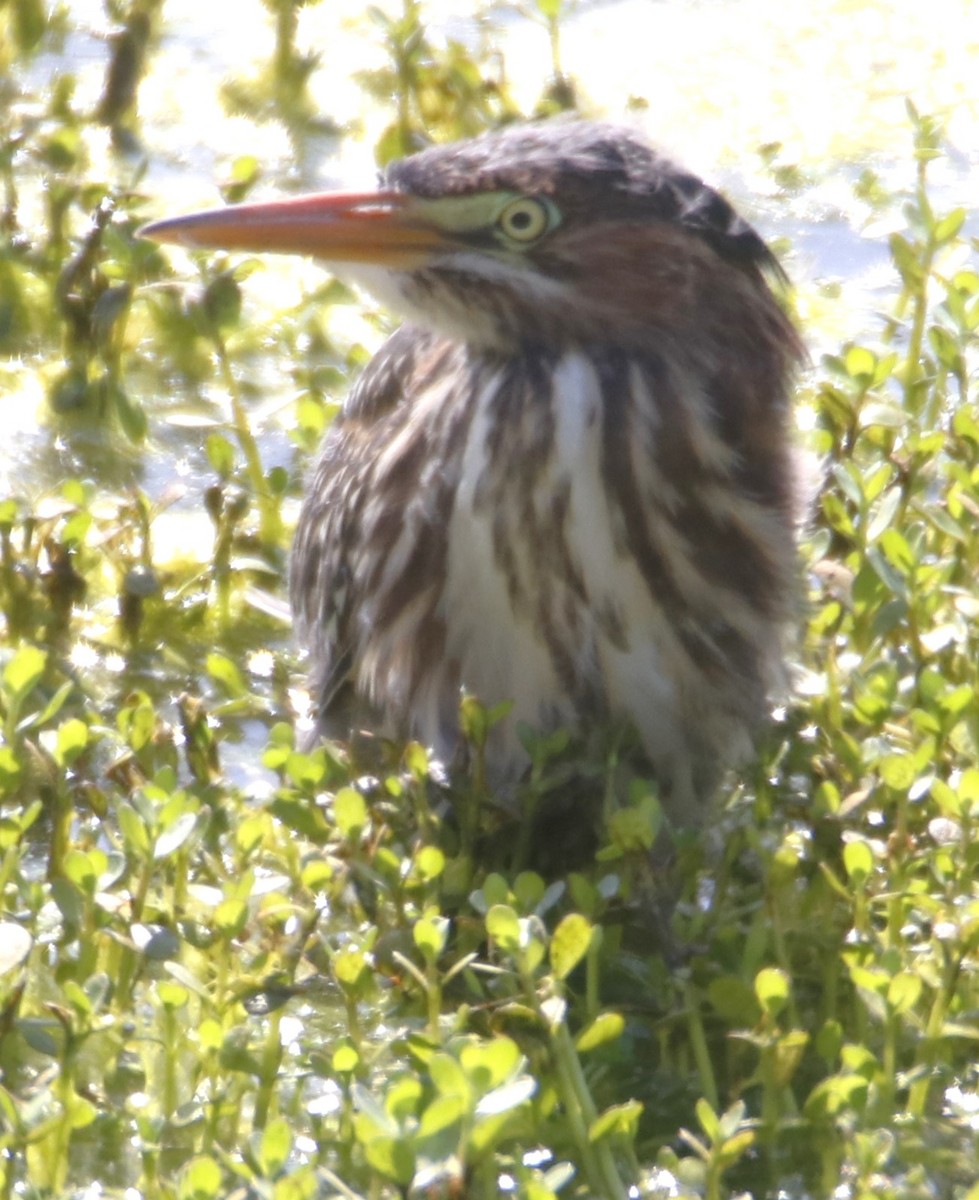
(318, 978)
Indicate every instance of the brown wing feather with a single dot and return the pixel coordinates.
(351, 519)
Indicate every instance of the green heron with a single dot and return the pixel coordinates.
(568, 482)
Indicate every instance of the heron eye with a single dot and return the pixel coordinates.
(525, 220)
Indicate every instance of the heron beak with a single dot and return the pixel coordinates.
(378, 228)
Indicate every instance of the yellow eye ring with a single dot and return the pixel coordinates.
(524, 220)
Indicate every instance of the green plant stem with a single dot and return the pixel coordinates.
(919, 316)
(698, 1043)
(169, 1093)
(433, 992)
(930, 1043)
(593, 975)
(269, 517)
(271, 1062)
(597, 1159)
(525, 831)
(769, 1091)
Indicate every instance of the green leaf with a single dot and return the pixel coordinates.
(22, 674)
(949, 227)
(946, 348)
(904, 991)
(81, 1112)
(734, 1147)
(829, 1039)
(345, 1059)
(416, 761)
(709, 1122)
(968, 788)
(898, 771)
(772, 990)
(29, 23)
(172, 995)
(430, 935)
(130, 413)
(788, 1053)
(403, 1097)
(10, 770)
(444, 1113)
(428, 864)
(394, 1159)
(883, 513)
(448, 1077)
(897, 550)
(73, 736)
(474, 721)
(570, 944)
(80, 868)
(275, 1146)
(201, 1180)
(222, 300)
(731, 1120)
(230, 918)
(632, 830)
(375, 1119)
(906, 260)
(350, 813)
(134, 831)
(224, 671)
(350, 968)
(495, 890)
(837, 1094)
(859, 362)
(606, 1027)
(488, 1064)
(882, 416)
(734, 1000)
(221, 455)
(528, 890)
(550, 9)
(621, 1121)
(503, 926)
(859, 862)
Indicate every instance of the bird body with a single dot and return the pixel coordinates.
(568, 481)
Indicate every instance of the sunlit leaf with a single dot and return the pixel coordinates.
(569, 944)
(859, 861)
(133, 829)
(23, 672)
(73, 736)
(430, 935)
(503, 926)
(225, 671)
(200, 1180)
(606, 1027)
(428, 864)
(622, 1120)
(772, 989)
(448, 1076)
(350, 812)
(274, 1147)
